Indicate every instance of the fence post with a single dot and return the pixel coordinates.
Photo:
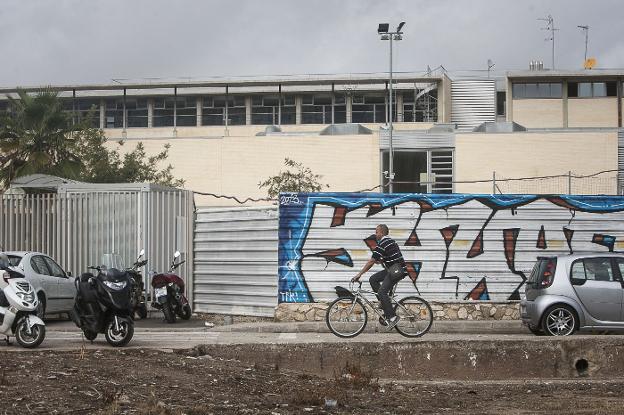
(494, 182)
(570, 182)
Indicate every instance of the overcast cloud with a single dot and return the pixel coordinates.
(76, 41)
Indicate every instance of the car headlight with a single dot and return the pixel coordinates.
(115, 285)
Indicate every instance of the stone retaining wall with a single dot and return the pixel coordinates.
(461, 310)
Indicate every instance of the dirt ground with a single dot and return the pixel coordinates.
(185, 382)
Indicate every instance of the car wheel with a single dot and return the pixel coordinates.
(41, 307)
(559, 320)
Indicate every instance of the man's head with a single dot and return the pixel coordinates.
(381, 231)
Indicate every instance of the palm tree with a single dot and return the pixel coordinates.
(37, 137)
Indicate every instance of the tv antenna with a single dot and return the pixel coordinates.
(490, 65)
(550, 25)
(585, 29)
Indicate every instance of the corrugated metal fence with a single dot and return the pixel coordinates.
(459, 246)
(236, 261)
(77, 228)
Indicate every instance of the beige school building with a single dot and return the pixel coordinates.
(536, 131)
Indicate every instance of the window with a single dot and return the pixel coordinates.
(592, 89)
(273, 110)
(163, 112)
(136, 112)
(54, 268)
(113, 113)
(537, 90)
(369, 109)
(214, 110)
(316, 109)
(83, 109)
(501, 98)
(14, 260)
(186, 111)
(592, 269)
(38, 264)
(421, 104)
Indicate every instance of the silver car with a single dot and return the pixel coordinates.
(574, 292)
(55, 287)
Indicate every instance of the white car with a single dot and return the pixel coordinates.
(54, 287)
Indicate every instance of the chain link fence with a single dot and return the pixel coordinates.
(602, 183)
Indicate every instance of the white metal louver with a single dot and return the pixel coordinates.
(473, 103)
(620, 175)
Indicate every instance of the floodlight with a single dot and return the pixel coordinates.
(385, 37)
(400, 26)
(383, 28)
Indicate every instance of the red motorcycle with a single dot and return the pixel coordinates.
(169, 293)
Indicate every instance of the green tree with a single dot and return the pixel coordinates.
(296, 178)
(105, 165)
(39, 137)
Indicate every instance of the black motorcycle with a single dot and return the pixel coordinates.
(103, 305)
(139, 305)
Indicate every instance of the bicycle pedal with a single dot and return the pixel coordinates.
(383, 321)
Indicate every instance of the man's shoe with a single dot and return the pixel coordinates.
(393, 322)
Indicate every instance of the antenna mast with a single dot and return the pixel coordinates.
(550, 25)
(585, 28)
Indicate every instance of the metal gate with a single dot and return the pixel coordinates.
(235, 269)
(77, 228)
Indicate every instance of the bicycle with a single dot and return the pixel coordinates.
(347, 315)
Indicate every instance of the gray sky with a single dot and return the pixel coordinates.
(77, 41)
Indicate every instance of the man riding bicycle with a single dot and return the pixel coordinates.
(388, 253)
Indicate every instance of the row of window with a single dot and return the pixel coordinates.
(555, 89)
(265, 110)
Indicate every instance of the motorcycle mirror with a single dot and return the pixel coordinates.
(141, 253)
(177, 254)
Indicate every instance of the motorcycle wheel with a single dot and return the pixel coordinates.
(185, 312)
(89, 335)
(29, 341)
(141, 311)
(119, 338)
(170, 316)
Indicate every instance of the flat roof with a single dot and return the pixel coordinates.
(237, 82)
(580, 73)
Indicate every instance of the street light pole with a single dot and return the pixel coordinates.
(387, 35)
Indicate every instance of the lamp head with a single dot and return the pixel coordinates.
(383, 28)
(400, 27)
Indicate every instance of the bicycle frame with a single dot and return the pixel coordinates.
(359, 294)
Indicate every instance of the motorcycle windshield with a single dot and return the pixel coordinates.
(112, 261)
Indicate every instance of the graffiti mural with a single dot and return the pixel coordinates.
(457, 246)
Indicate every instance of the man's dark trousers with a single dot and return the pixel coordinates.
(382, 283)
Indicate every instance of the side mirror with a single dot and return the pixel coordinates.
(176, 254)
(68, 274)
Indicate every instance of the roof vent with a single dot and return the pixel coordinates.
(536, 66)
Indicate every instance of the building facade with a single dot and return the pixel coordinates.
(525, 132)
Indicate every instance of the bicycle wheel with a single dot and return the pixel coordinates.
(346, 317)
(416, 316)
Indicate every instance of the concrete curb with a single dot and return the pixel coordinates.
(195, 325)
(446, 326)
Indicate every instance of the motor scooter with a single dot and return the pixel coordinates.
(139, 306)
(169, 293)
(18, 308)
(103, 305)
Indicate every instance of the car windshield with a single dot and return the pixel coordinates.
(112, 261)
(14, 260)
